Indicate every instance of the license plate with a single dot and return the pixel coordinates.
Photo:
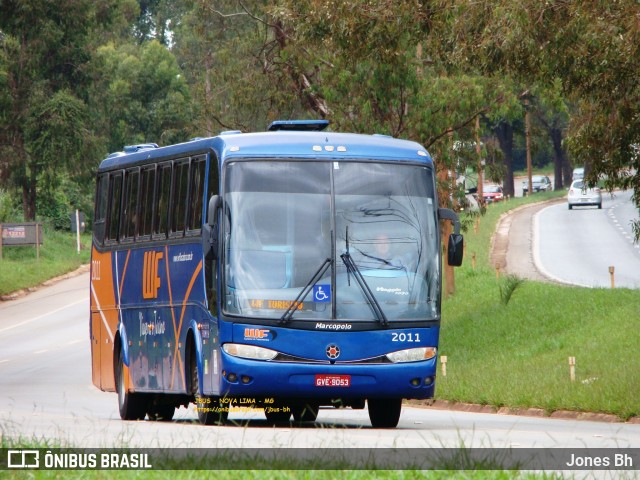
(333, 380)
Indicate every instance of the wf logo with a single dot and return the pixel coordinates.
(150, 278)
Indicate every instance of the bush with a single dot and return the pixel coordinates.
(9, 210)
(55, 208)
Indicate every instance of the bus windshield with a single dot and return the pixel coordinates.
(345, 241)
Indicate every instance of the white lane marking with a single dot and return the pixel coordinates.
(536, 252)
(26, 322)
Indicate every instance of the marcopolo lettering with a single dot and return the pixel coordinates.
(333, 326)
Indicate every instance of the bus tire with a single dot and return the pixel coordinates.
(132, 406)
(306, 412)
(210, 410)
(384, 412)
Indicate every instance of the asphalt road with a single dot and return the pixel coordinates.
(548, 242)
(46, 393)
(578, 246)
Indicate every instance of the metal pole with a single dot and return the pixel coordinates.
(37, 241)
(78, 229)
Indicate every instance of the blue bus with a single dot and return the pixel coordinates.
(284, 270)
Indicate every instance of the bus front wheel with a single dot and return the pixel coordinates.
(210, 409)
(131, 405)
(306, 412)
(384, 412)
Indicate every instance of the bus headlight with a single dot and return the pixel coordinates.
(412, 354)
(249, 351)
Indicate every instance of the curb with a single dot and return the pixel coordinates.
(500, 238)
(525, 412)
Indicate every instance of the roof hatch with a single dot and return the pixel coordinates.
(299, 125)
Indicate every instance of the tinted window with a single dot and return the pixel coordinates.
(130, 204)
(162, 200)
(196, 194)
(179, 196)
(115, 187)
(102, 196)
(147, 186)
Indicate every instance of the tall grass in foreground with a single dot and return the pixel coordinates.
(238, 465)
(515, 353)
(19, 267)
(283, 475)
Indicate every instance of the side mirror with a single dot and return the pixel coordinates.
(455, 250)
(214, 204)
(210, 231)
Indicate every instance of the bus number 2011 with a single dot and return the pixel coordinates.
(405, 337)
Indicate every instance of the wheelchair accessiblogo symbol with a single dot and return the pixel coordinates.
(150, 278)
(322, 293)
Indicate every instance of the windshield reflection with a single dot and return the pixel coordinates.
(280, 222)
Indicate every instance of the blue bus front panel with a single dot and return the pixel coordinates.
(327, 364)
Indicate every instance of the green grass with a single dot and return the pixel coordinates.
(19, 267)
(279, 475)
(240, 464)
(515, 354)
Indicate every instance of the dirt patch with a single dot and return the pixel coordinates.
(512, 242)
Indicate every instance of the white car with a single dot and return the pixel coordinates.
(578, 174)
(580, 194)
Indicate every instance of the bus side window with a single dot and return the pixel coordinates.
(161, 204)
(130, 204)
(147, 182)
(196, 192)
(100, 216)
(115, 189)
(178, 206)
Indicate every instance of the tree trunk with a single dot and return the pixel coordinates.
(29, 196)
(504, 132)
(567, 171)
(559, 158)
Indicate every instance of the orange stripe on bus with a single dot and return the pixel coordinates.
(182, 312)
(124, 274)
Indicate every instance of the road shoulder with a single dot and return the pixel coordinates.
(512, 243)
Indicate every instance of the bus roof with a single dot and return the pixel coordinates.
(279, 144)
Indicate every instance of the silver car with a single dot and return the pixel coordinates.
(540, 183)
(580, 194)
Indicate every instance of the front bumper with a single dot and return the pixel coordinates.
(252, 378)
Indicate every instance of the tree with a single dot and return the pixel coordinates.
(591, 48)
(45, 49)
(139, 95)
(232, 60)
(552, 112)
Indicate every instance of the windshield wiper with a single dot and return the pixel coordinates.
(288, 315)
(352, 268)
